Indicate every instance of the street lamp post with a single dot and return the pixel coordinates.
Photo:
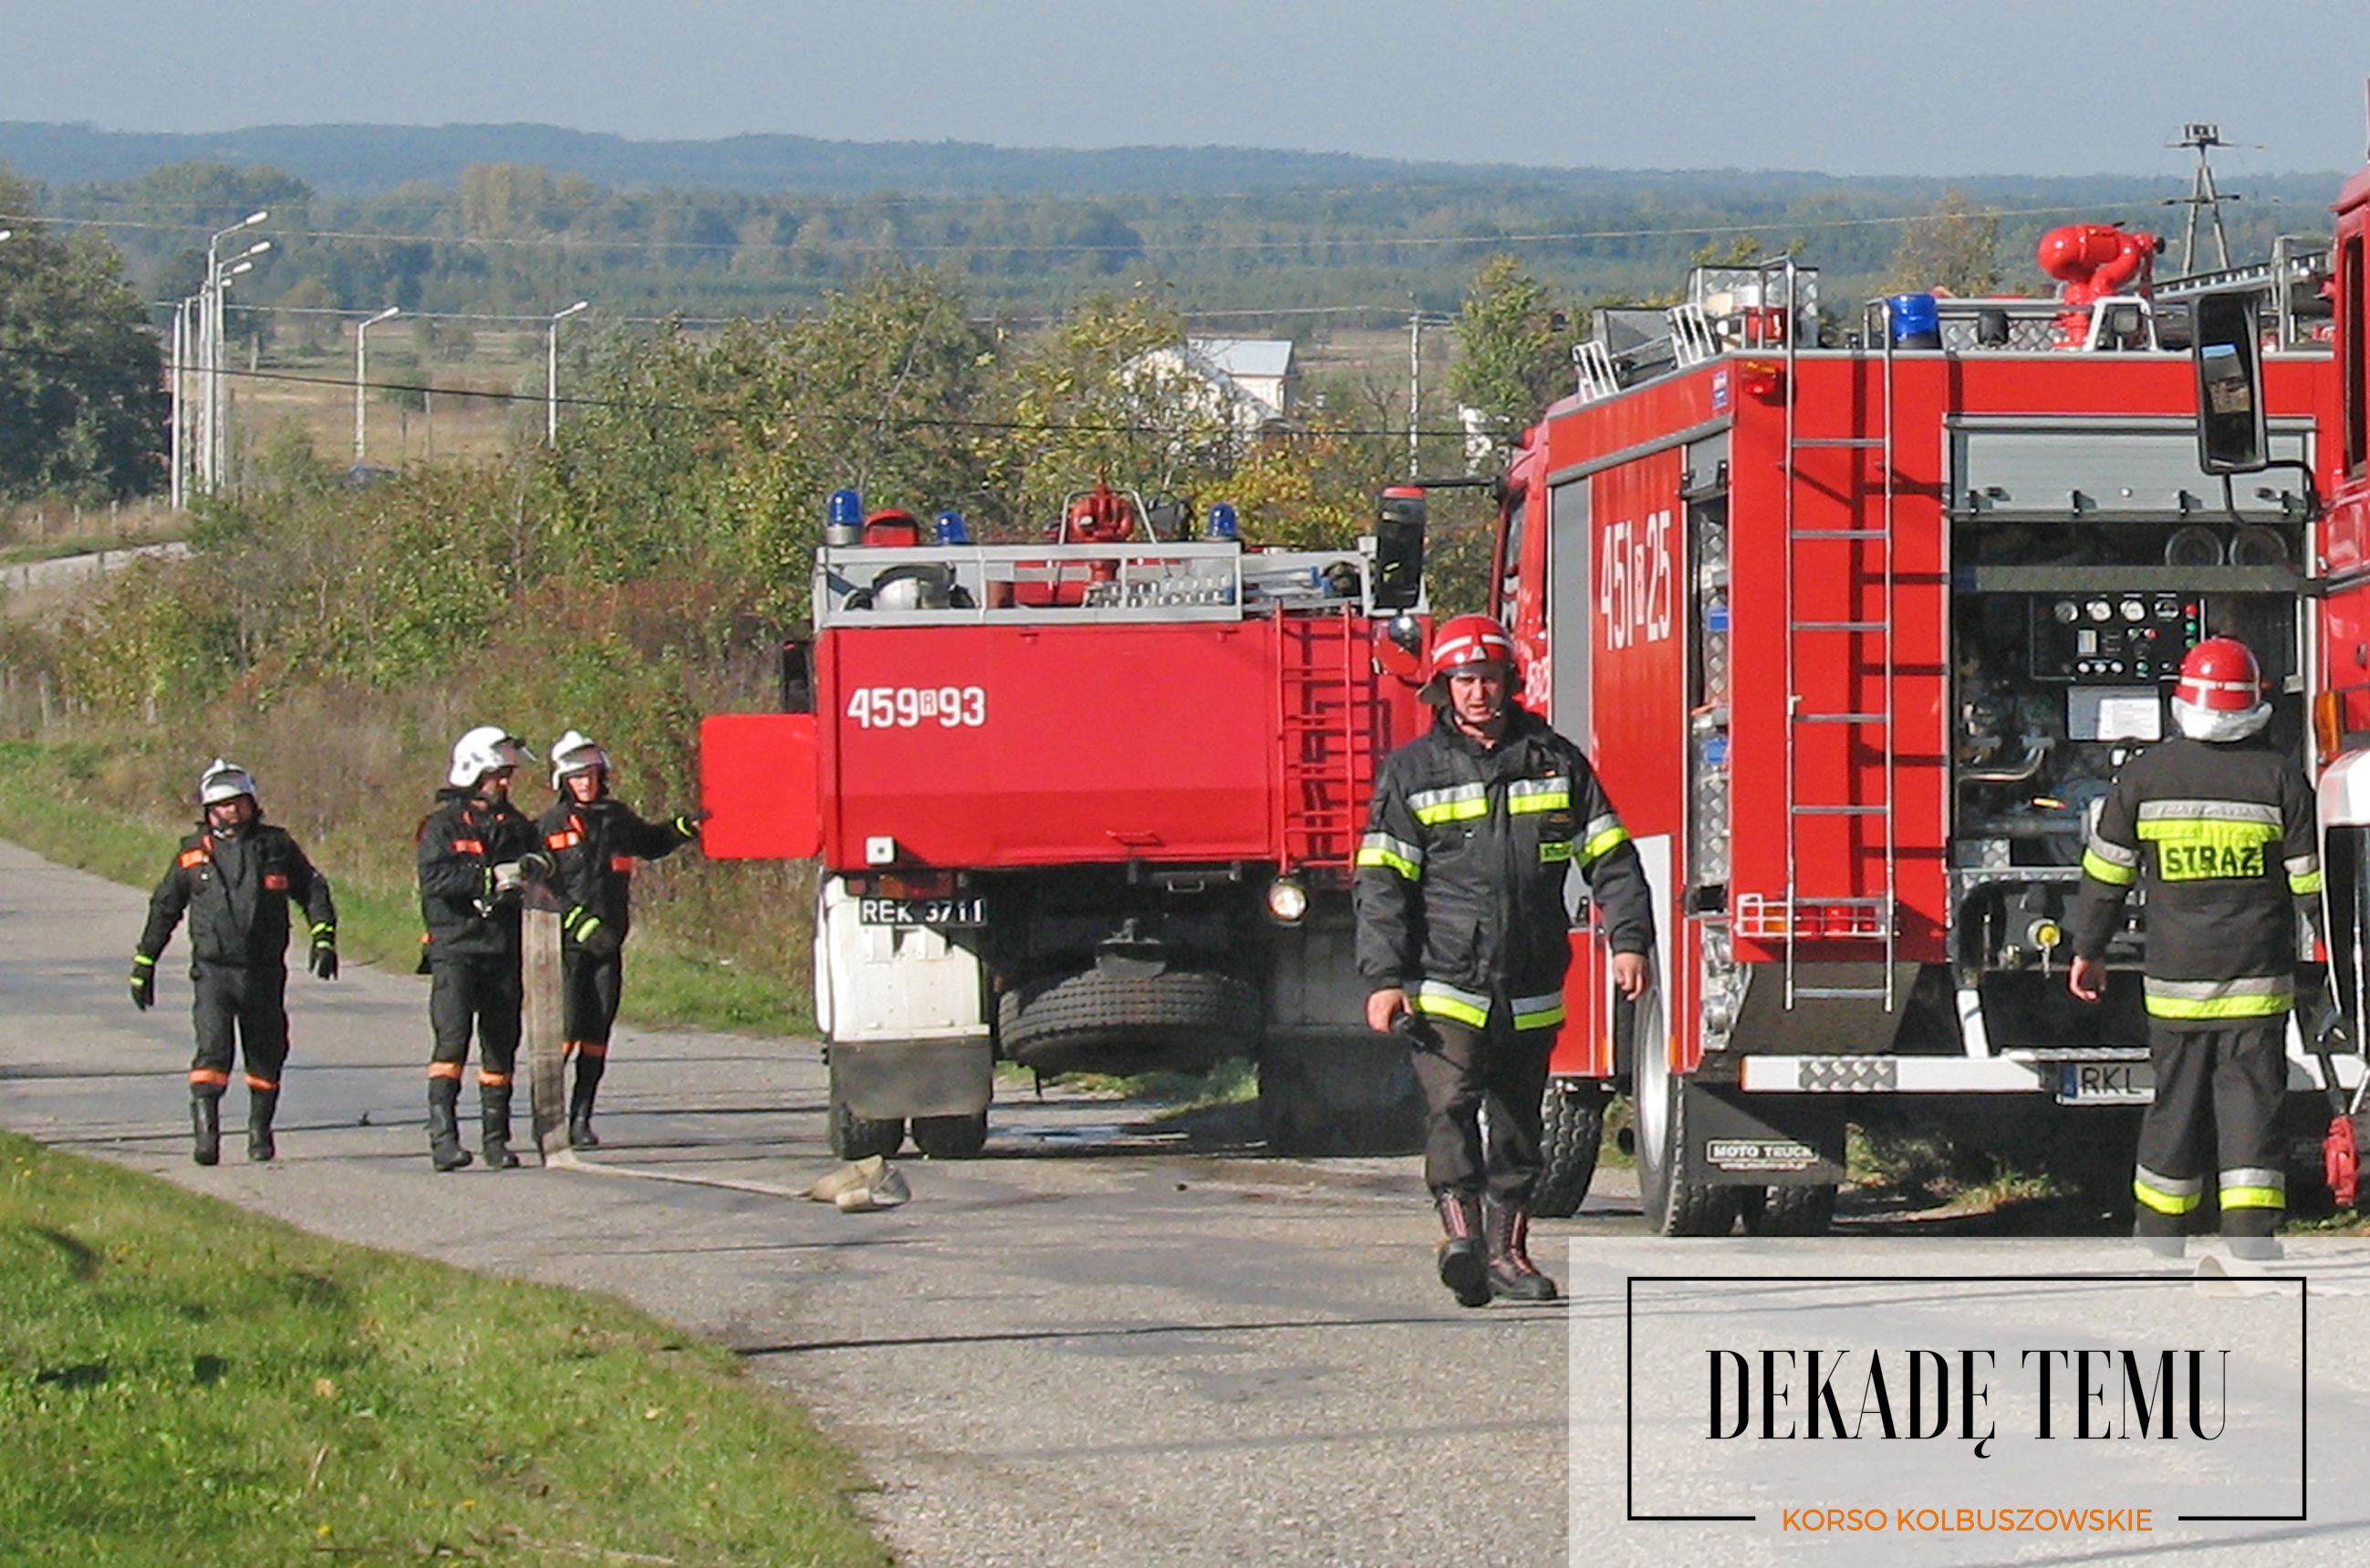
(213, 449)
(551, 371)
(361, 375)
(184, 448)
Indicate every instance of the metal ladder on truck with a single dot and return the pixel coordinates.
(1325, 725)
(1864, 646)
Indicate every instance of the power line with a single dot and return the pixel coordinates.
(652, 405)
(1147, 245)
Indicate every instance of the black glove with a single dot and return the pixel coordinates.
(589, 932)
(536, 866)
(143, 982)
(686, 824)
(325, 960)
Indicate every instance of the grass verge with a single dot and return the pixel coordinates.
(270, 1398)
(44, 806)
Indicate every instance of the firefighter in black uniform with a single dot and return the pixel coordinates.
(593, 840)
(1464, 936)
(233, 878)
(2218, 828)
(476, 849)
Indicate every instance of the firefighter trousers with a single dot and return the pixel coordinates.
(239, 1007)
(2217, 1113)
(1482, 1089)
(476, 994)
(590, 986)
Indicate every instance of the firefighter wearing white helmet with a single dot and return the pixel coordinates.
(595, 841)
(1463, 938)
(475, 853)
(2216, 826)
(234, 878)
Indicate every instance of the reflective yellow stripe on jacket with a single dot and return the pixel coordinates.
(2248, 995)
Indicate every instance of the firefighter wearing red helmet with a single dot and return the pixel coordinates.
(2216, 827)
(1464, 936)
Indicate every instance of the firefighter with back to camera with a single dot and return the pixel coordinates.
(233, 878)
(1464, 936)
(475, 853)
(2217, 827)
(593, 840)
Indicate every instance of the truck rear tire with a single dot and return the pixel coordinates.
(1573, 1120)
(950, 1138)
(861, 1137)
(1181, 1020)
(1674, 1207)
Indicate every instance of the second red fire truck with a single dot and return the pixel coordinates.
(1857, 636)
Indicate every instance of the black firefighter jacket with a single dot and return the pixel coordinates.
(460, 844)
(1460, 882)
(2221, 839)
(236, 891)
(595, 846)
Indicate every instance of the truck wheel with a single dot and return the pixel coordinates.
(861, 1137)
(950, 1138)
(1184, 1020)
(1573, 1118)
(1791, 1211)
(1673, 1207)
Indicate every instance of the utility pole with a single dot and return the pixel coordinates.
(1417, 321)
(2203, 195)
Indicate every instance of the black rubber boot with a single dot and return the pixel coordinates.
(260, 1105)
(445, 1150)
(494, 1126)
(1511, 1272)
(1462, 1266)
(2160, 1235)
(205, 1128)
(588, 1069)
(2252, 1233)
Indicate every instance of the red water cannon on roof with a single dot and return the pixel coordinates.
(2093, 262)
(1100, 516)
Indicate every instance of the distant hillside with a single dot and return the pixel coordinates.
(356, 160)
(520, 219)
(372, 160)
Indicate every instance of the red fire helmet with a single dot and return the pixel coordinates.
(1463, 643)
(2220, 676)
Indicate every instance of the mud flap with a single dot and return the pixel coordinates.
(542, 1034)
(1775, 1140)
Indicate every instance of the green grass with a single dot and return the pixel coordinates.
(184, 1383)
(44, 807)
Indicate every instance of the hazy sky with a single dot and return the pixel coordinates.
(1847, 86)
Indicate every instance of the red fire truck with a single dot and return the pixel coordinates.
(1856, 635)
(1085, 805)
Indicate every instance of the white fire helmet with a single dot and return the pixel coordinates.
(574, 753)
(482, 751)
(224, 781)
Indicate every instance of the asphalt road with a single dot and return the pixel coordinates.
(1090, 1346)
(1102, 1342)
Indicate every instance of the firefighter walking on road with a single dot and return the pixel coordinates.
(2216, 827)
(1464, 935)
(234, 878)
(475, 851)
(594, 840)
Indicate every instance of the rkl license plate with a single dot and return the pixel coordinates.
(2105, 1083)
(921, 911)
